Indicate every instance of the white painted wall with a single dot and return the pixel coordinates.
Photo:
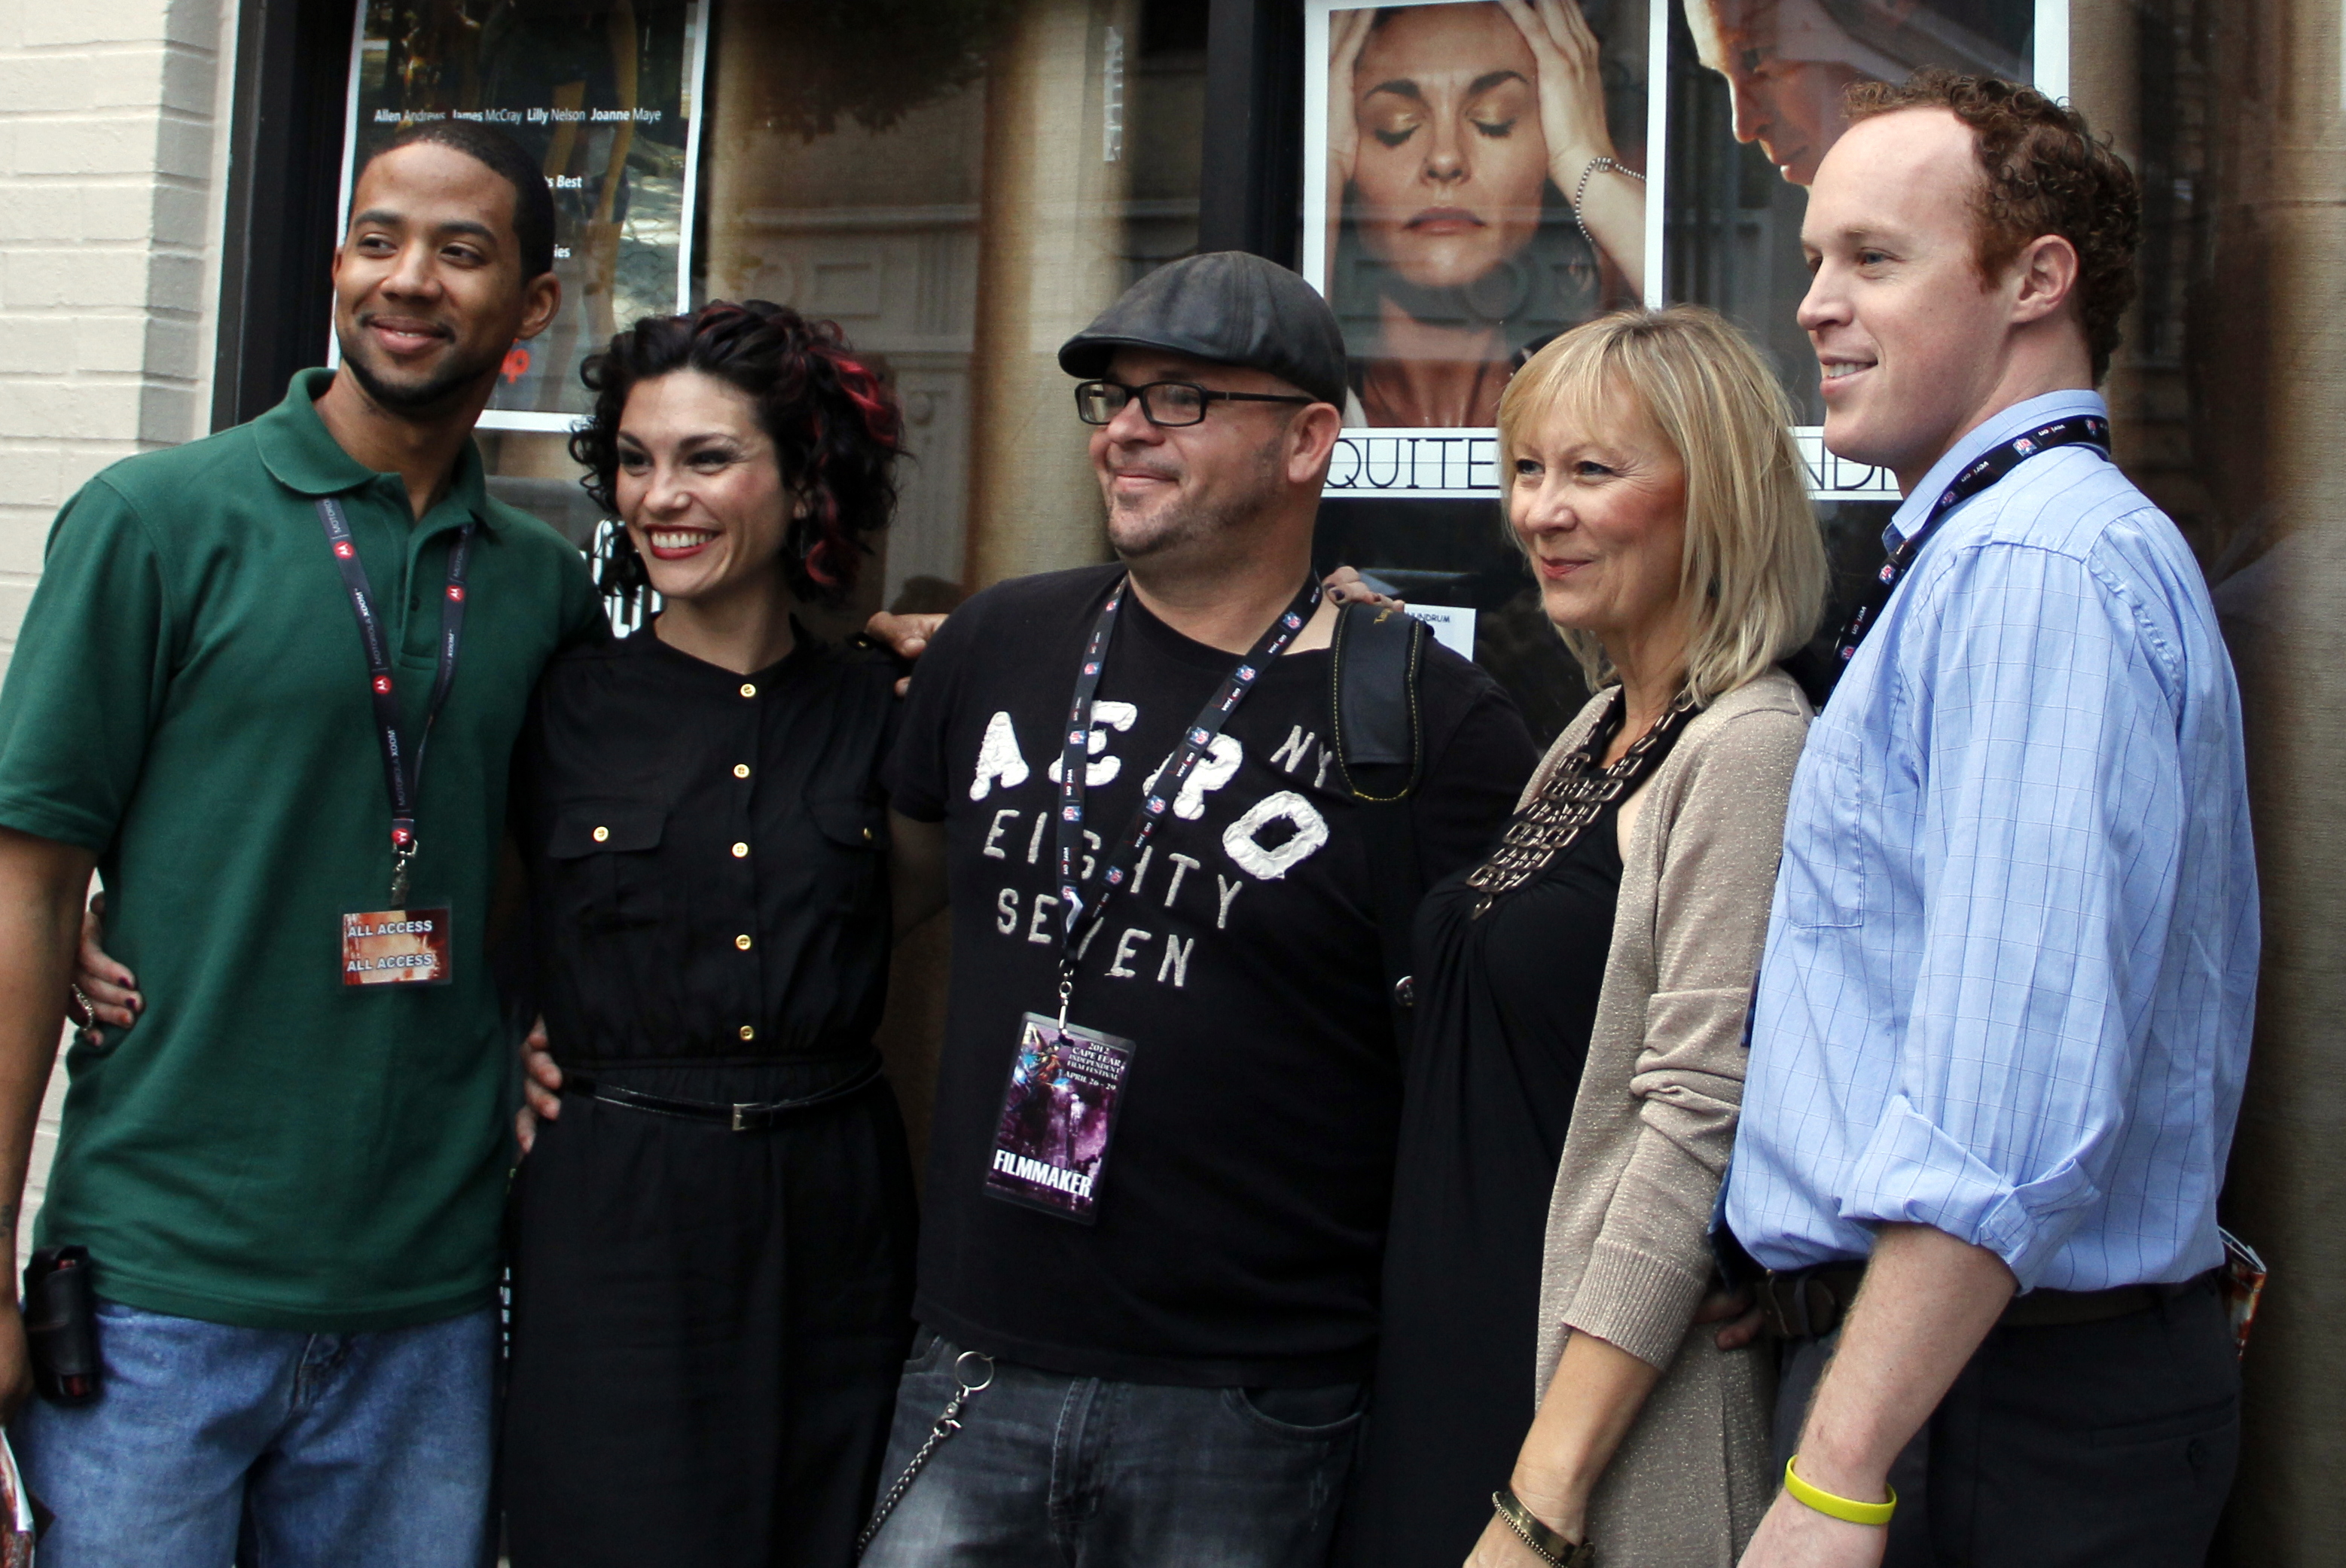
(113, 163)
(113, 173)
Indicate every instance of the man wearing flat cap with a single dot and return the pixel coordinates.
(1156, 1313)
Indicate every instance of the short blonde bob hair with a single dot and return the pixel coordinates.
(1755, 558)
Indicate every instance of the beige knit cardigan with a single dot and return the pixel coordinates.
(1627, 1256)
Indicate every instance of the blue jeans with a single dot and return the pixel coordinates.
(271, 1448)
(1091, 1473)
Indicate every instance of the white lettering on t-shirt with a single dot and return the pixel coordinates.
(1001, 818)
(1120, 962)
(1319, 779)
(1216, 768)
(1224, 757)
(1270, 864)
(1044, 904)
(1176, 960)
(1140, 872)
(1182, 866)
(1005, 910)
(1290, 754)
(1105, 715)
(1229, 890)
(999, 757)
(1035, 838)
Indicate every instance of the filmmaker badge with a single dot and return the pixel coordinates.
(1057, 1116)
(395, 947)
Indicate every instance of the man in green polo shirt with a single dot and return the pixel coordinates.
(289, 1182)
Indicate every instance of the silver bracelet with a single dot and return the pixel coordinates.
(1581, 190)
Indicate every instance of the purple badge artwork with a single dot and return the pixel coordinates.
(1057, 1114)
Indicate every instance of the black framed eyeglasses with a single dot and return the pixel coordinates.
(1162, 404)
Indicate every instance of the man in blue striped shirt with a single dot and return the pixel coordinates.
(2002, 1019)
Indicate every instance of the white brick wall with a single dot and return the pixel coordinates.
(113, 164)
(113, 148)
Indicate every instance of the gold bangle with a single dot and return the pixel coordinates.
(1548, 1545)
(1847, 1509)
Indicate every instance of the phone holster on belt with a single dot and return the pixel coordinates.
(61, 1325)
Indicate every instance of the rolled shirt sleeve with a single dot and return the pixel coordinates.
(2046, 763)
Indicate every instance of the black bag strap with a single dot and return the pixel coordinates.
(1376, 658)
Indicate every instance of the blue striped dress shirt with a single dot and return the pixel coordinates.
(2011, 965)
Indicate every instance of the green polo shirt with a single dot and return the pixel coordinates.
(188, 697)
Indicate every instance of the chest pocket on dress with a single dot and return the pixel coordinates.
(604, 863)
(1824, 881)
(851, 823)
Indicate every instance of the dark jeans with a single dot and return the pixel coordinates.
(1091, 1473)
(2092, 1445)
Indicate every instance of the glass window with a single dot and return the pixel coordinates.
(959, 184)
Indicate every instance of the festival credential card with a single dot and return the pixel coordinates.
(1058, 1117)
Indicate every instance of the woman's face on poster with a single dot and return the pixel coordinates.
(1452, 158)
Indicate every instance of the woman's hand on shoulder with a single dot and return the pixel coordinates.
(906, 636)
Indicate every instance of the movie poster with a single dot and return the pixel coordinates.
(605, 93)
(1476, 181)
(1482, 175)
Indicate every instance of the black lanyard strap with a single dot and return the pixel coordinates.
(2077, 430)
(402, 767)
(1158, 795)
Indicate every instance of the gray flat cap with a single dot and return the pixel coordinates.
(1225, 306)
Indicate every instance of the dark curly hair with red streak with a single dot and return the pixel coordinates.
(835, 428)
(2046, 173)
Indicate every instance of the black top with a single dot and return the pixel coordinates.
(706, 879)
(1505, 1005)
(1242, 1203)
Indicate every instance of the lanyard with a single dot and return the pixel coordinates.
(2085, 429)
(1074, 758)
(403, 772)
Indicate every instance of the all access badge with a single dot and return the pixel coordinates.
(395, 947)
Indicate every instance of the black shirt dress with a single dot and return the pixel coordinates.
(708, 1324)
(1504, 1007)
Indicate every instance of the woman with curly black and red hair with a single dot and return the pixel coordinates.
(712, 1228)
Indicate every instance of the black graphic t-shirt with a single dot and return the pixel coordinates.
(1241, 1208)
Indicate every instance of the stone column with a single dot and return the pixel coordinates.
(2281, 255)
(1050, 256)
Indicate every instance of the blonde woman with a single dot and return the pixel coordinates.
(1571, 1095)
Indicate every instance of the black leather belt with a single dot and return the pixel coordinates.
(1809, 1303)
(738, 1119)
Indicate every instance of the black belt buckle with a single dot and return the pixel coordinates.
(1800, 1303)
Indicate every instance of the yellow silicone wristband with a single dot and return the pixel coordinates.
(1842, 1508)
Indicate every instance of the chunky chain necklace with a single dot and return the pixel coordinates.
(1572, 797)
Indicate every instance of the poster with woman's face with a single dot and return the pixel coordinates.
(1476, 187)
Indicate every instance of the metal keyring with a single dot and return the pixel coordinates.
(959, 1377)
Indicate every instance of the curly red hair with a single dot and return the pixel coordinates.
(2044, 172)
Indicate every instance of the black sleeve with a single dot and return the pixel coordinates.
(1471, 783)
(915, 775)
